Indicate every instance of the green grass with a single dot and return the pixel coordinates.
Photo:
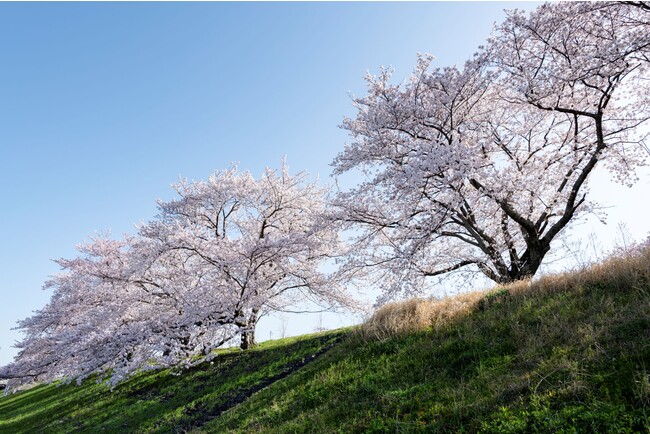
(576, 361)
(160, 401)
(574, 358)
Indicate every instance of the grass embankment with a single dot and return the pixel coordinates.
(566, 354)
(160, 401)
(569, 353)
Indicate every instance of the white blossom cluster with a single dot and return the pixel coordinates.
(228, 250)
(479, 168)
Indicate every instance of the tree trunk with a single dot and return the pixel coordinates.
(526, 267)
(248, 333)
(247, 339)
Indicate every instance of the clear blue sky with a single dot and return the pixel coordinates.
(103, 105)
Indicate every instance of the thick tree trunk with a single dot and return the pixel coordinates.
(527, 266)
(247, 339)
(248, 333)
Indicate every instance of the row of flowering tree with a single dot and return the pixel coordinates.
(473, 169)
(215, 259)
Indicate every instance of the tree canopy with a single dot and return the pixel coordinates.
(481, 167)
(222, 254)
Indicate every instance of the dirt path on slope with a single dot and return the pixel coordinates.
(237, 397)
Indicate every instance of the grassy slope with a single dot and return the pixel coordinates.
(573, 358)
(156, 401)
(574, 361)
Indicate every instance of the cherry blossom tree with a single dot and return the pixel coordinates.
(225, 252)
(105, 318)
(65, 335)
(258, 245)
(479, 168)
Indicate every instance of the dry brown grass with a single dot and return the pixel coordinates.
(418, 314)
(626, 271)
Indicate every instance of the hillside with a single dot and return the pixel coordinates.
(568, 353)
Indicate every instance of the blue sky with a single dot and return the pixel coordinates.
(103, 105)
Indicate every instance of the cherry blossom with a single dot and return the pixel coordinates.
(479, 168)
(225, 252)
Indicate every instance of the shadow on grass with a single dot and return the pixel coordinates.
(159, 401)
